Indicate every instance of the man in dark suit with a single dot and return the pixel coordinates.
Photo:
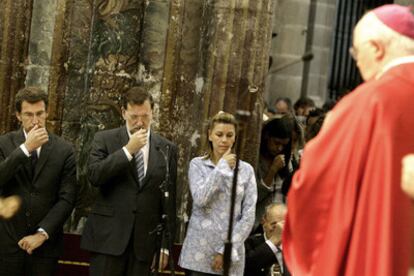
(264, 251)
(127, 165)
(39, 167)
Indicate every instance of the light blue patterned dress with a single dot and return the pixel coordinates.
(210, 187)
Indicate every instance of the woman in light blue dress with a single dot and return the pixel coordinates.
(210, 180)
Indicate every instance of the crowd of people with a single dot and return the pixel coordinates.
(338, 206)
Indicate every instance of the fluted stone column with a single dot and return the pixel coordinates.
(15, 16)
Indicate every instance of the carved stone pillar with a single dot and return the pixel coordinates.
(15, 16)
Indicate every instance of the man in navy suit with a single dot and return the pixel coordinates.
(127, 165)
(264, 250)
(39, 168)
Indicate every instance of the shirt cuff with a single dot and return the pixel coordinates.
(24, 149)
(272, 246)
(165, 251)
(43, 232)
(128, 155)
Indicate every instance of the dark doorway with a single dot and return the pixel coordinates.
(344, 75)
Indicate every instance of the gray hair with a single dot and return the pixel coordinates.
(279, 207)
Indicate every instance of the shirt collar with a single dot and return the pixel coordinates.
(394, 63)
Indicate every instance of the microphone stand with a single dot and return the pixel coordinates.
(164, 226)
(308, 56)
(228, 245)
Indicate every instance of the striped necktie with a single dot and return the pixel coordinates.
(139, 161)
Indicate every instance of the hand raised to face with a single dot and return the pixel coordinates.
(137, 140)
(230, 158)
(36, 137)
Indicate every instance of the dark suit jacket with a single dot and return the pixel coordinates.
(123, 207)
(48, 197)
(259, 257)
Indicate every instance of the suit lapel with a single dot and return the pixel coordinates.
(123, 140)
(18, 139)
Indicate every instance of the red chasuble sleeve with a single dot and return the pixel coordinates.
(347, 214)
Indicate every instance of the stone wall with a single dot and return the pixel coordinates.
(195, 57)
(404, 2)
(291, 25)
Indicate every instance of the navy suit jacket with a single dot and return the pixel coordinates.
(123, 207)
(48, 194)
(259, 257)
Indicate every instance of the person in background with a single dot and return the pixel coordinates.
(302, 107)
(274, 163)
(210, 179)
(264, 250)
(39, 168)
(347, 214)
(268, 112)
(314, 123)
(128, 165)
(328, 105)
(283, 105)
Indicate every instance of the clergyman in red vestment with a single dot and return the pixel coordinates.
(347, 214)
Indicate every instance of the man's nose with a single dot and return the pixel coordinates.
(35, 119)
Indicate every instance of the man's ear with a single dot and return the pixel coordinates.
(19, 117)
(379, 49)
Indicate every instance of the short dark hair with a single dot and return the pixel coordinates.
(137, 95)
(31, 94)
(303, 103)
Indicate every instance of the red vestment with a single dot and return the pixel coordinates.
(347, 214)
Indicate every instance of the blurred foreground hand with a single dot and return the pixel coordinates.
(9, 206)
(407, 177)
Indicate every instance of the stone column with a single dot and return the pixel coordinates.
(15, 16)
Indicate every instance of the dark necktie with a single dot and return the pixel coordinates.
(33, 161)
(139, 161)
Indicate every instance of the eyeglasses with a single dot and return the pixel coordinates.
(135, 117)
(31, 116)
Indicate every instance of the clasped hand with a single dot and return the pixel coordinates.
(31, 242)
